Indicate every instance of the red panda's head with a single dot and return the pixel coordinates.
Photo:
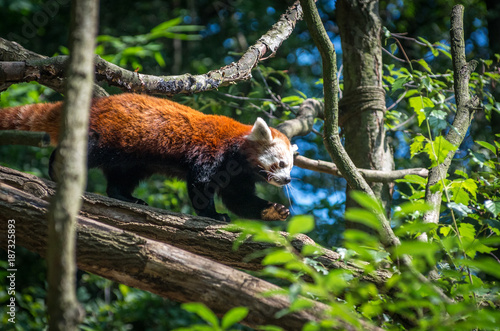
(271, 152)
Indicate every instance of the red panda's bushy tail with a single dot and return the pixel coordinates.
(43, 117)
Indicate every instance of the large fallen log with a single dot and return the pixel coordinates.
(157, 267)
(199, 235)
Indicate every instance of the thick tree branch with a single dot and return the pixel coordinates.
(15, 68)
(153, 266)
(27, 138)
(303, 122)
(48, 71)
(465, 111)
(199, 235)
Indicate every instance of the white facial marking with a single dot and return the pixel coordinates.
(277, 161)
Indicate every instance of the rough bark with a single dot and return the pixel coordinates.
(199, 235)
(70, 163)
(15, 67)
(465, 111)
(363, 104)
(150, 265)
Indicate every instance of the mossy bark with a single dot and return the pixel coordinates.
(362, 107)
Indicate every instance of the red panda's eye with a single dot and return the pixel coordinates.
(282, 164)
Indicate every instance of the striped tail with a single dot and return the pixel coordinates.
(43, 117)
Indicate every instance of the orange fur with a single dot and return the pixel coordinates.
(43, 117)
(133, 136)
(138, 123)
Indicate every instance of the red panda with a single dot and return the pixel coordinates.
(133, 136)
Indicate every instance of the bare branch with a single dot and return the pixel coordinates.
(309, 110)
(465, 111)
(368, 174)
(48, 71)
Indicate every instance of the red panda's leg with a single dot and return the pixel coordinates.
(239, 197)
(201, 195)
(122, 182)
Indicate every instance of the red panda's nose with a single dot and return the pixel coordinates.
(286, 180)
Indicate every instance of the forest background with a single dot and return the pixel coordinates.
(175, 37)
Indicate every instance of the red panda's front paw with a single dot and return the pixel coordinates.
(275, 212)
(223, 218)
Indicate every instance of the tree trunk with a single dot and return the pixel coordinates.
(363, 103)
(70, 168)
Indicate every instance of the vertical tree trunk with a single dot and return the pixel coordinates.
(70, 169)
(363, 104)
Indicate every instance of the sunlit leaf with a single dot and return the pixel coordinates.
(438, 150)
(487, 265)
(418, 104)
(417, 145)
(278, 257)
(493, 207)
(233, 316)
(362, 216)
(488, 146)
(300, 224)
(366, 201)
(202, 311)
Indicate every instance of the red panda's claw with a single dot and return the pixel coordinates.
(223, 218)
(275, 212)
(140, 202)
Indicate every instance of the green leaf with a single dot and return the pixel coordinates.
(202, 311)
(291, 98)
(459, 208)
(445, 230)
(473, 246)
(467, 230)
(493, 207)
(461, 173)
(418, 248)
(487, 265)
(300, 224)
(461, 189)
(166, 25)
(437, 119)
(159, 59)
(441, 149)
(488, 146)
(418, 104)
(366, 201)
(413, 179)
(399, 83)
(278, 257)
(362, 216)
(417, 145)
(308, 250)
(394, 48)
(409, 208)
(235, 315)
(425, 65)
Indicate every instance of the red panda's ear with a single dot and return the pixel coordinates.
(260, 132)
